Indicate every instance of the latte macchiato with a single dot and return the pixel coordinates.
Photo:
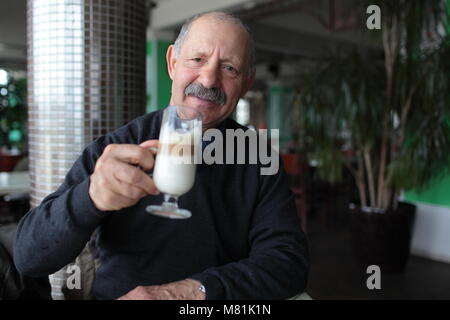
(174, 176)
(175, 167)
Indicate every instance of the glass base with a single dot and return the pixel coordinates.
(168, 212)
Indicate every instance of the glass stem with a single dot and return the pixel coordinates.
(170, 202)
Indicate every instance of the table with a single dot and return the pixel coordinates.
(14, 182)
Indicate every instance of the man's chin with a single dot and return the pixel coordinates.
(201, 104)
(212, 113)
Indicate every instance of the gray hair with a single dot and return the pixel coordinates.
(222, 16)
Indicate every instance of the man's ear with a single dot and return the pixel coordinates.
(171, 61)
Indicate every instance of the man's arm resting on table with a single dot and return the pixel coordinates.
(187, 289)
(277, 266)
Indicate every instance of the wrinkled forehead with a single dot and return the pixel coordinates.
(211, 31)
(212, 20)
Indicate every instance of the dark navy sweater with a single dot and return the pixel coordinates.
(243, 240)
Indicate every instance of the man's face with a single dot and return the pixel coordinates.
(214, 56)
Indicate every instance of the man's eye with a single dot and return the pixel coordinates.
(230, 69)
(197, 59)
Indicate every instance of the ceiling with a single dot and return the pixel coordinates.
(13, 34)
(285, 31)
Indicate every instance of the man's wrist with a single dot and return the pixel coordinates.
(199, 290)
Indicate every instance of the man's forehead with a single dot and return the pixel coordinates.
(204, 32)
(208, 25)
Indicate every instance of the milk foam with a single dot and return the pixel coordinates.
(174, 172)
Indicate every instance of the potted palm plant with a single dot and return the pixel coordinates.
(383, 118)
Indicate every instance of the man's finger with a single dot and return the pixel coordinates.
(135, 177)
(151, 145)
(132, 154)
(106, 192)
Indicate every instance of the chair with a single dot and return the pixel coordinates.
(13, 285)
(296, 168)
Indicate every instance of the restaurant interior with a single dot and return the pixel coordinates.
(358, 90)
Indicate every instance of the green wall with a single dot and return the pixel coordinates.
(447, 27)
(158, 81)
(439, 191)
(277, 113)
(437, 194)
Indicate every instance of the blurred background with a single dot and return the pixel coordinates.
(360, 95)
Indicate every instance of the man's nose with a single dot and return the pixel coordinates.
(209, 76)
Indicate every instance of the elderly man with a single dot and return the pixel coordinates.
(243, 240)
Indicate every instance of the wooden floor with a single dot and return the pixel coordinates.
(335, 274)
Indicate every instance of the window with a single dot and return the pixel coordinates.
(243, 112)
(3, 77)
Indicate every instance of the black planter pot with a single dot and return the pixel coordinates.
(383, 239)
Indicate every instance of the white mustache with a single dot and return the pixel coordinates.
(214, 95)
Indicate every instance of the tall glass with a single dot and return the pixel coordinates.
(175, 165)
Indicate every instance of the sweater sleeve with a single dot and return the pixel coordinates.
(54, 233)
(278, 262)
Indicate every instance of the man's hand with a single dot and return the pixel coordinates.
(180, 290)
(119, 180)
